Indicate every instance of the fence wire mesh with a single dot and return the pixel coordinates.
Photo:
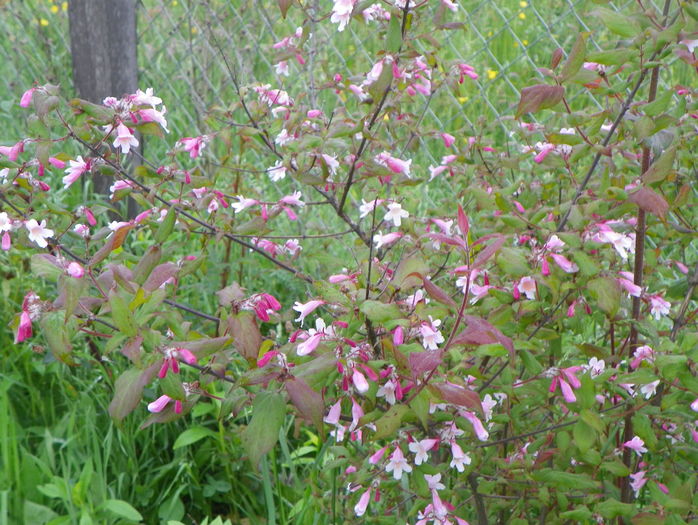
(193, 51)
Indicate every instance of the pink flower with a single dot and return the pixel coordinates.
(6, 241)
(386, 240)
(26, 99)
(171, 360)
(194, 145)
(564, 263)
(694, 405)
(394, 164)
(479, 429)
(527, 286)
(636, 444)
(567, 380)
(124, 139)
(420, 449)
(626, 281)
(334, 414)
(642, 353)
(362, 504)
(638, 481)
(659, 306)
(77, 168)
(243, 203)
(341, 13)
(263, 304)
(466, 70)
(431, 336)
(359, 381)
(38, 233)
(24, 329)
(397, 464)
(12, 152)
(75, 270)
(459, 458)
(306, 309)
(153, 115)
(375, 458)
(161, 403)
(395, 214)
(448, 139)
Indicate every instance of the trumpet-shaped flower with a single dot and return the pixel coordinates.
(397, 464)
(396, 214)
(38, 232)
(125, 139)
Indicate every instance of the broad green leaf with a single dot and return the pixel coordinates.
(618, 23)
(379, 312)
(607, 293)
(122, 316)
(389, 423)
(612, 508)
(575, 59)
(394, 40)
(260, 436)
(128, 390)
(584, 436)
(307, 401)
(587, 266)
(191, 436)
(122, 509)
(166, 226)
(660, 104)
(565, 480)
(616, 467)
(660, 168)
(56, 331)
(45, 265)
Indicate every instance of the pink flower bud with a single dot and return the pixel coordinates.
(26, 99)
(6, 241)
(75, 270)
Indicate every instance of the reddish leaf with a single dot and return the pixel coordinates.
(650, 201)
(283, 6)
(480, 332)
(132, 349)
(306, 400)
(556, 57)
(434, 291)
(114, 242)
(463, 222)
(203, 347)
(488, 252)
(128, 390)
(540, 96)
(246, 335)
(447, 240)
(458, 395)
(423, 362)
(160, 275)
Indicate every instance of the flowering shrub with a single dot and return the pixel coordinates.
(524, 349)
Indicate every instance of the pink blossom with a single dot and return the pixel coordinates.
(567, 380)
(642, 353)
(694, 405)
(24, 329)
(395, 214)
(12, 152)
(6, 241)
(341, 13)
(479, 429)
(527, 286)
(636, 444)
(448, 139)
(124, 139)
(146, 98)
(367, 207)
(161, 403)
(459, 458)
(77, 168)
(306, 308)
(397, 464)
(333, 416)
(75, 270)
(153, 115)
(375, 458)
(626, 281)
(26, 99)
(420, 449)
(171, 360)
(394, 164)
(120, 185)
(431, 336)
(466, 70)
(564, 263)
(659, 306)
(362, 504)
(386, 240)
(194, 145)
(359, 381)
(638, 481)
(38, 233)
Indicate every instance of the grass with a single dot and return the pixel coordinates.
(62, 456)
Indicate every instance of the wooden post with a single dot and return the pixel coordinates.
(103, 48)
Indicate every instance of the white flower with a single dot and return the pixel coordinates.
(527, 286)
(367, 207)
(595, 367)
(146, 99)
(396, 214)
(388, 391)
(331, 162)
(488, 403)
(659, 306)
(38, 233)
(243, 203)
(460, 458)
(387, 239)
(5, 222)
(397, 464)
(431, 336)
(649, 389)
(283, 138)
(277, 171)
(281, 68)
(420, 449)
(124, 139)
(434, 482)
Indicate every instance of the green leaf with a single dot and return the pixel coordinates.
(45, 265)
(586, 264)
(607, 293)
(660, 105)
(191, 436)
(565, 480)
(262, 433)
(584, 436)
(618, 23)
(379, 312)
(128, 391)
(166, 226)
(394, 34)
(122, 316)
(122, 509)
(616, 468)
(512, 262)
(389, 423)
(307, 401)
(613, 57)
(55, 330)
(575, 60)
(612, 508)
(660, 168)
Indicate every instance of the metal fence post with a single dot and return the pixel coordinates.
(103, 48)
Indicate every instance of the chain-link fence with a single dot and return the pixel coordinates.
(194, 51)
